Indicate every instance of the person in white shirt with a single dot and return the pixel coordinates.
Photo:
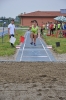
(11, 30)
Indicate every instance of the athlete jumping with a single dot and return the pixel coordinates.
(34, 32)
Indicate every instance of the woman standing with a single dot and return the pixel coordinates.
(34, 32)
(51, 28)
(47, 27)
(58, 29)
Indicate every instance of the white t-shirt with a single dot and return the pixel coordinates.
(11, 27)
(47, 26)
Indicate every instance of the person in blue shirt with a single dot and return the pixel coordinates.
(64, 30)
(65, 26)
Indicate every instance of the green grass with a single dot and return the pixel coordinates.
(7, 50)
(52, 41)
(5, 47)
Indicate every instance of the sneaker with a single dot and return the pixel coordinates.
(31, 43)
(34, 44)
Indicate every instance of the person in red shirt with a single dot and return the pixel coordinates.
(51, 28)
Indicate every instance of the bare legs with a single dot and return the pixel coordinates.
(33, 38)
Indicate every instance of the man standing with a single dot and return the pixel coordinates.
(11, 30)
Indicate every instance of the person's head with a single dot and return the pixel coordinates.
(12, 21)
(35, 23)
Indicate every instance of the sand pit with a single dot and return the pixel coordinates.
(32, 81)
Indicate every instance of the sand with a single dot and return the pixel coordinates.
(33, 81)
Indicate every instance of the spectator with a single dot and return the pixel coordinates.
(54, 26)
(47, 26)
(42, 28)
(11, 30)
(51, 28)
(62, 26)
(65, 26)
(58, 29)
(64, 29)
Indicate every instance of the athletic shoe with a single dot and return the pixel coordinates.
(31, 43)
(34, 44)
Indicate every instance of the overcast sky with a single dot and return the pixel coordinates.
(12, 8)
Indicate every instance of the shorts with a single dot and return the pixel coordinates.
(11, 35)
(34, 34)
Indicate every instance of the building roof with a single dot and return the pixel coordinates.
(42, 14)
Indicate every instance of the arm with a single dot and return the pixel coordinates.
(30, 28)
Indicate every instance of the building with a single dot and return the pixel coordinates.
(40, 16)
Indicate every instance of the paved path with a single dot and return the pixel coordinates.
(28, 52)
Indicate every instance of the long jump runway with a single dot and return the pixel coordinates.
(31, 53)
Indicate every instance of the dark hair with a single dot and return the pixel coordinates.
(12, 19)
(34, 21)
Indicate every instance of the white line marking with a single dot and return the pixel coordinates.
(35, 56)
(30, 49)
(23, 46)
(34, 49)
(45, 49)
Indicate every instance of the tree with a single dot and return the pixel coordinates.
(17, 19)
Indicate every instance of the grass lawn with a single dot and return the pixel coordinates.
(51, 40)
(24, 26)
(5, 47)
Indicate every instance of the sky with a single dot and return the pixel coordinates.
(12, 8)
